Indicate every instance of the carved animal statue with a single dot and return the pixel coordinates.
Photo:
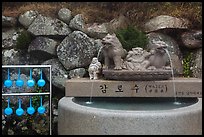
(94, 68)
(159, 59)
(113, 52)
(139, 59)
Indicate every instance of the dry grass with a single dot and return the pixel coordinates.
(137, 12)
(49, 9)
(92, 11)
(140, 12)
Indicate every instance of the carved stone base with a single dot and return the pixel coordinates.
(144, 75)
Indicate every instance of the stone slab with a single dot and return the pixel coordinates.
(84, 87)
(128, 75)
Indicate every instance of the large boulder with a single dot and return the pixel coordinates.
(9, 21)
(59, 74)
(197, 63)
(77, 73)
(43, 46)
(172, 48)
(17, 57)
(95, 30)
(76, 50)
(46, 26)
(192, 39)
(9, 37)
(165, 21)
(117, 23)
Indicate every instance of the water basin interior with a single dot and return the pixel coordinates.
(135, 103)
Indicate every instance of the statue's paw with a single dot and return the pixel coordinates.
(95, 78)
(117, 68)
(105, 67)
(167, 67)
(151, 68)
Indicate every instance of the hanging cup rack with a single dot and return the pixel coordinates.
(40, 84)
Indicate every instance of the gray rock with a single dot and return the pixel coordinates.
(197, 63)
(192, 39)
(117, 23)
(77, 23)
(96, 30)
(27, 18)
(9, 21)
(172, 47)
(59, 74)
(76, 50)
(9, 37)
(43, 46)
(48, 27)
(65, 15)
(77, 73)
(15, 57)
(165, 21)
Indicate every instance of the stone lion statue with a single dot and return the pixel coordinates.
(113, 52)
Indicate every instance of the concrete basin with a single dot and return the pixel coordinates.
(129, 116)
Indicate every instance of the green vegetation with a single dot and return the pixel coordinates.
(187, 61)
(36, 99)
(23, 40)
(131, 37)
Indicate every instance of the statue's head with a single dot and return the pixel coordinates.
(110, 39)
(160, 47)
(138, 51)
(159, 44)
(94, 60)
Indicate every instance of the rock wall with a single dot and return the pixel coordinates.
(69, 44)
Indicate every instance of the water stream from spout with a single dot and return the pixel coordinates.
(173, 79)
(99, 51)
(90, 99)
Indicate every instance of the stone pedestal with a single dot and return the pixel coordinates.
(109, 107)
(84, 87)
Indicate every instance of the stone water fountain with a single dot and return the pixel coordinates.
(132, 93)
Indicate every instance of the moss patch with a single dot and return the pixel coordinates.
(131, 37)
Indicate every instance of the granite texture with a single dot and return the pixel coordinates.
(75, 119)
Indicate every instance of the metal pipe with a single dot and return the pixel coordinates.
(50, 100)
(33, 94)
(26, 66)
(25, 94)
